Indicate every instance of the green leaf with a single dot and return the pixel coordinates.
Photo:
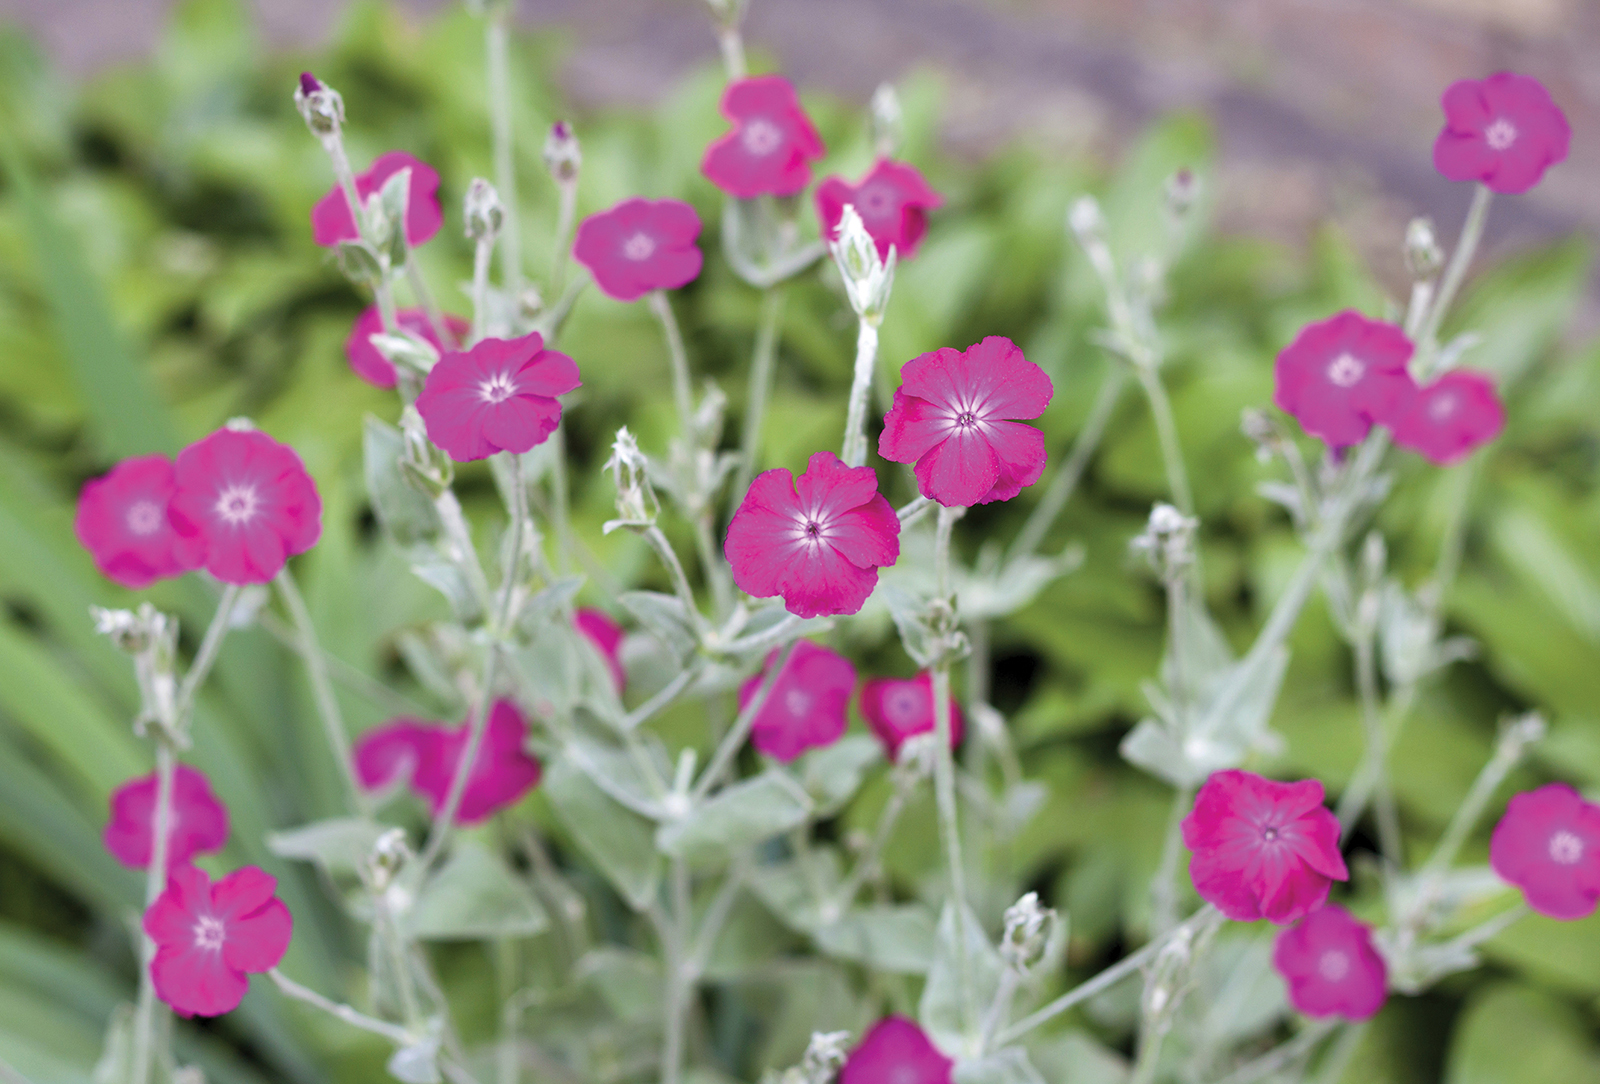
(1077, 1058)
(894, 938)
(665, 616)
(744, 814)
(1512, 1034)
(833, 774)
(950, 1012)
(475, 895)
(1009, 1066)
(618, 840)
(341, 844)
(405, 511)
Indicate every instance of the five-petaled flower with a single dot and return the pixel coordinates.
(1548, 845)
(896, 1051)
(1504, 131)
(1330, 965)
(373, 367)
(122, 522)
(248, 501)
(331, 221)
(1341, 375)
(817, 540)
(500, 396)
(210, 937)
(606, 635)
(639, 246)
(893, 202)
(772, 143)
(952, 417)
(197, 821)
(899, 709)
(1262, 849)
(808, 706)
(1451, 416)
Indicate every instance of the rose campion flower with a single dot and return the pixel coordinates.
(897, 710)
(1504, 131)
(378, 370)
(122, 522)
(772, 143)
(1262, 849)
(606, 635)
(198, 821)
(248, 501)
(893, 202)
(1548, 845)
(952, 417)
(500, 396)
(1451, 417)
(817, 540)
(211, 937)
(1330, 965)
(427, 756)
(809, 705)
(391, 753)
(1341, 375)
(639, 246)
(330, 218)
(896, 1051)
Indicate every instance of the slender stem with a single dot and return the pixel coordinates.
(1372, 775)
(565, 217)
(321, 688)
(424, 296)
(1149, 1055)
(154, 882)
(1336, 1061)
(734, 739)
(9, 1074)
(342, 672)
(716, 917)
(394, 1033)
(944, 766)
(206, 657)
(1284, 1054)
(667, 695)
(731, 44)
(1456, 272)
(560, 509)
(1066, 479)
(761, 366)
(680, 580)
(1005, 990)
(497, 43)
(854, 452)
(1489, 929)
(867, 865)
(679, 983)
(715, 568)
(1167, 434)
(1505, 757)
(681, 393)
(482, 256)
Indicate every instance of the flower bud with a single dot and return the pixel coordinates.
(239, 424)
(887, 120)
(867, 278)
(482, 211)
(320, 105)
(1168, 540)
(1183, 189)
(1521, 732)
(824, 1055)
(1423, 255)
(131, 632)
(562, 155)
(1086, 221)
(1026, 933)
(386, 217)
(389, 855)
(630, 470)
(423, 463)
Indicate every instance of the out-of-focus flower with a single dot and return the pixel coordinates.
(331, 221)
(772, 143)
(1330, 965)
(197, 821)
(898, 710)
(502, 772)
(498, 396)
(122, 522)
(370, 365)
(896, 1051)
(808, 706)
(1343, 374)
(640, 245)
(606, 635)
(893, 201)
(391, 753)
(1451, 417)
(1548, 845)
(1504, 131)
(211, 937)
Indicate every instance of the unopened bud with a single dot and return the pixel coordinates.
(1257, 426)
(1086, 221)
(630, 471)
(481, 211)
(1026, 932)
(320, 105)
(1183, 189)
(389, 856)
(1423, 255)
(887, 120)
(562, 155)
(239, 424)
(868, 279)
(423, 462)
(824, 1055)
(1168, 539)
(1521, 732)
(1374, 557)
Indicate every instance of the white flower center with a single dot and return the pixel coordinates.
(641, 246)
(761, 137)
(237, 505)
(1346, 370)
(1500, 135)
(1270, 833)
(1566, 848)
(209, 933)
(1442, 407)
(144, 517)
(796, 702)
(498, 388)
(1333, 965)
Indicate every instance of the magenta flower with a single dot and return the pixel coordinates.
(1262, 849)
(817, 540)
(897, 710)
(1450, 417)
(606, 635)
(393, 752)
(210, 937)
(427, 756)
(771, 145)
(1548, 845)
(1504, 131)
(638, 246)
(500, 396)
(895, 1051)
(1343, 374)
(122, 522)
(951, 418)
(378, 370)
(1328, 961)
(809, 705)
(249, 503)
(330, 218)
(197, 821)
(893, 202)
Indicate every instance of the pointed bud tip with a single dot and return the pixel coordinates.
(309, 84)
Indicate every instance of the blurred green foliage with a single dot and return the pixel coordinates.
(157, 276)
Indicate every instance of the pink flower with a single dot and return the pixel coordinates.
(198, 822)
(893, 202)
(895, 1051)
(392, 753)
(1330, 965)
(809, 705)
(606, 635)
(500, 396)
(897, 710)
(1504, 131)
(122, 522)
(249, 503)
(771, 145)
(1262, 849)
(502, 772)
(330, 218)
(638, 246)
(1342, 374)
(1548, 845)
(378, 370)
(817, 540)
(1451, 417)
(950, 418)
(210, 936)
